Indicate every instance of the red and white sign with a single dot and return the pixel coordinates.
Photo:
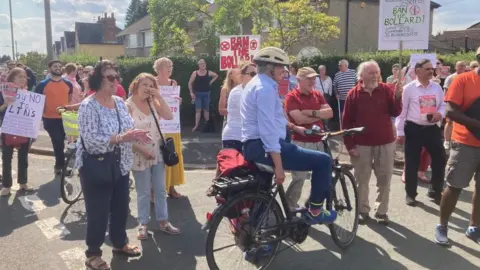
(237, 49)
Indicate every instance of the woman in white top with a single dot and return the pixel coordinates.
(147, 106)
(323, 83)
(232, 133)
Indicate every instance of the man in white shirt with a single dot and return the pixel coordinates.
(423, 107)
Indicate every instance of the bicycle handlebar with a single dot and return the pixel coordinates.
(316, 130)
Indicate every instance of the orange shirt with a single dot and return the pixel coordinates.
(463, 91)
(56, 94)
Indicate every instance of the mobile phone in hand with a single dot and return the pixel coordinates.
(429, 117)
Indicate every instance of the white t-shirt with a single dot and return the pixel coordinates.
(233, 128)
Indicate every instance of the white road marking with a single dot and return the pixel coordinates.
(52, 228)
(32, 203)
(73, 258)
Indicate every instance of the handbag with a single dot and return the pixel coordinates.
(105, 167)
(15, 141)
(170, 157)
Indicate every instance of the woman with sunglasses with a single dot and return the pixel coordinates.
(104, 158)
(232, 133)
(18, 78)
(232, 79)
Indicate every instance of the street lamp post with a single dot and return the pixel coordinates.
(48, 29)
(11, 29)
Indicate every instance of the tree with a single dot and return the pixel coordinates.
(301, 21)
(5, 58)
(135, 11)
(35, 61)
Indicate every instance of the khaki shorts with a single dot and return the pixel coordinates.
(463, 164)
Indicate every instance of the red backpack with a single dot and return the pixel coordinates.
(231, 163)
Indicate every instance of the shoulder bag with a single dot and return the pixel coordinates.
(170, 157)
(102, 168)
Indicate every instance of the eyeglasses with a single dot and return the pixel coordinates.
(112, 78)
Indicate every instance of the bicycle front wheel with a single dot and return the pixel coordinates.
(70, 186)
(345, 202)
(243, 234)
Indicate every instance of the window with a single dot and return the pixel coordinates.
(148, 39)
(132, 41)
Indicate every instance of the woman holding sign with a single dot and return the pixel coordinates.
(18, 80)
(174, 174)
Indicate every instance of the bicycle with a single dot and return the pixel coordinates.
(245, 197)
(70, 186)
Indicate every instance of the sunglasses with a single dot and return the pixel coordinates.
(112, 78)
(251, 74)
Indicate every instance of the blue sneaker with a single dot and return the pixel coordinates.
(473, 233)
(441, 235)
(254, 254)
(324, 217)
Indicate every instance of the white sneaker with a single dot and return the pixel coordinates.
(446, 145)
(5, 191)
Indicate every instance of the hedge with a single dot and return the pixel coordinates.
(183, 67)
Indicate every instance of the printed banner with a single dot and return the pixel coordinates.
(404, 20)
(237, 49)
(23, 117)
(171, 95)
(416, 57)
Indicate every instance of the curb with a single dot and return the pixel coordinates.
(43, 151)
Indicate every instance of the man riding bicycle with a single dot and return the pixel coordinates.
(264, 128)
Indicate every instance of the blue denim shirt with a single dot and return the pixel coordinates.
(262, 113)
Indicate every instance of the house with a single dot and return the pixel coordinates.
(468, 39)
(95, 39)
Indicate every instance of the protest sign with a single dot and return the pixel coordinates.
(237, 49)
(416, 57)
(23, 117)
(171, 95)
(407, 21)
(445, 72)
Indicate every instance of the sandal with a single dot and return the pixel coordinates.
(128, 250)
(169, 229)
(175, 195)
(97, 263)
(142, 233)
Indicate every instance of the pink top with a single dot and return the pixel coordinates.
(418, 101)
(77, 95)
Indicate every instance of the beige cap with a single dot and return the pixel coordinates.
(307, 72)
(478, 51)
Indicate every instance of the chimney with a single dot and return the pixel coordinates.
(109, 28)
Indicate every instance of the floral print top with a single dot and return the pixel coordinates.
(97, 124)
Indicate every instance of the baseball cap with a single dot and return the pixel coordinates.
(307, 72)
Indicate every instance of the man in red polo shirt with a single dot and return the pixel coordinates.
(305, 107)
(372, 104)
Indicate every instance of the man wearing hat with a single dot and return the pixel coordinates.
(372, 104)
(463, 108)
(305, 107)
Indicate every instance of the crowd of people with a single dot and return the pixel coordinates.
(121, 132)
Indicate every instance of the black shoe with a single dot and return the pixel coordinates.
(435, 196)
(410, 201)
(363, 218)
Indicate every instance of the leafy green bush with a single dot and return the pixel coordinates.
(184, 66)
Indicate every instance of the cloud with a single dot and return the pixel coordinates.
(29, 25)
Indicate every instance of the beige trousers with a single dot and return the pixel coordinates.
(294, 190)
(380, 159)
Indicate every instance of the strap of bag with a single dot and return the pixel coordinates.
(321, 83)
(156, 121)
(119, 129)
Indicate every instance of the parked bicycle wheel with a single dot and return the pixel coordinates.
(70, 186)
(243, 227)
(345, 202)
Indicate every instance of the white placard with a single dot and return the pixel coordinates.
(23, 117)
(236, 49)
(171, 95)
(404, 20)
(416, 57)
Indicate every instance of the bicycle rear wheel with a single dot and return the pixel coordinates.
(248, 221)
(70, 186)
(345, 202)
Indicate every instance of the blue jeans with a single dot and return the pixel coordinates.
(295, 158)
(144, 180)
(202, 101)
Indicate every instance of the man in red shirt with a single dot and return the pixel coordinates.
(305, 107)
(372, 104)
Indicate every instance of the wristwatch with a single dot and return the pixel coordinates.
(314, 113)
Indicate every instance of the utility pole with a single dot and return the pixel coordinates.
(16, 49)
(11, 29)
(48, 29)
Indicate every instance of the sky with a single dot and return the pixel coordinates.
(29, 24)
